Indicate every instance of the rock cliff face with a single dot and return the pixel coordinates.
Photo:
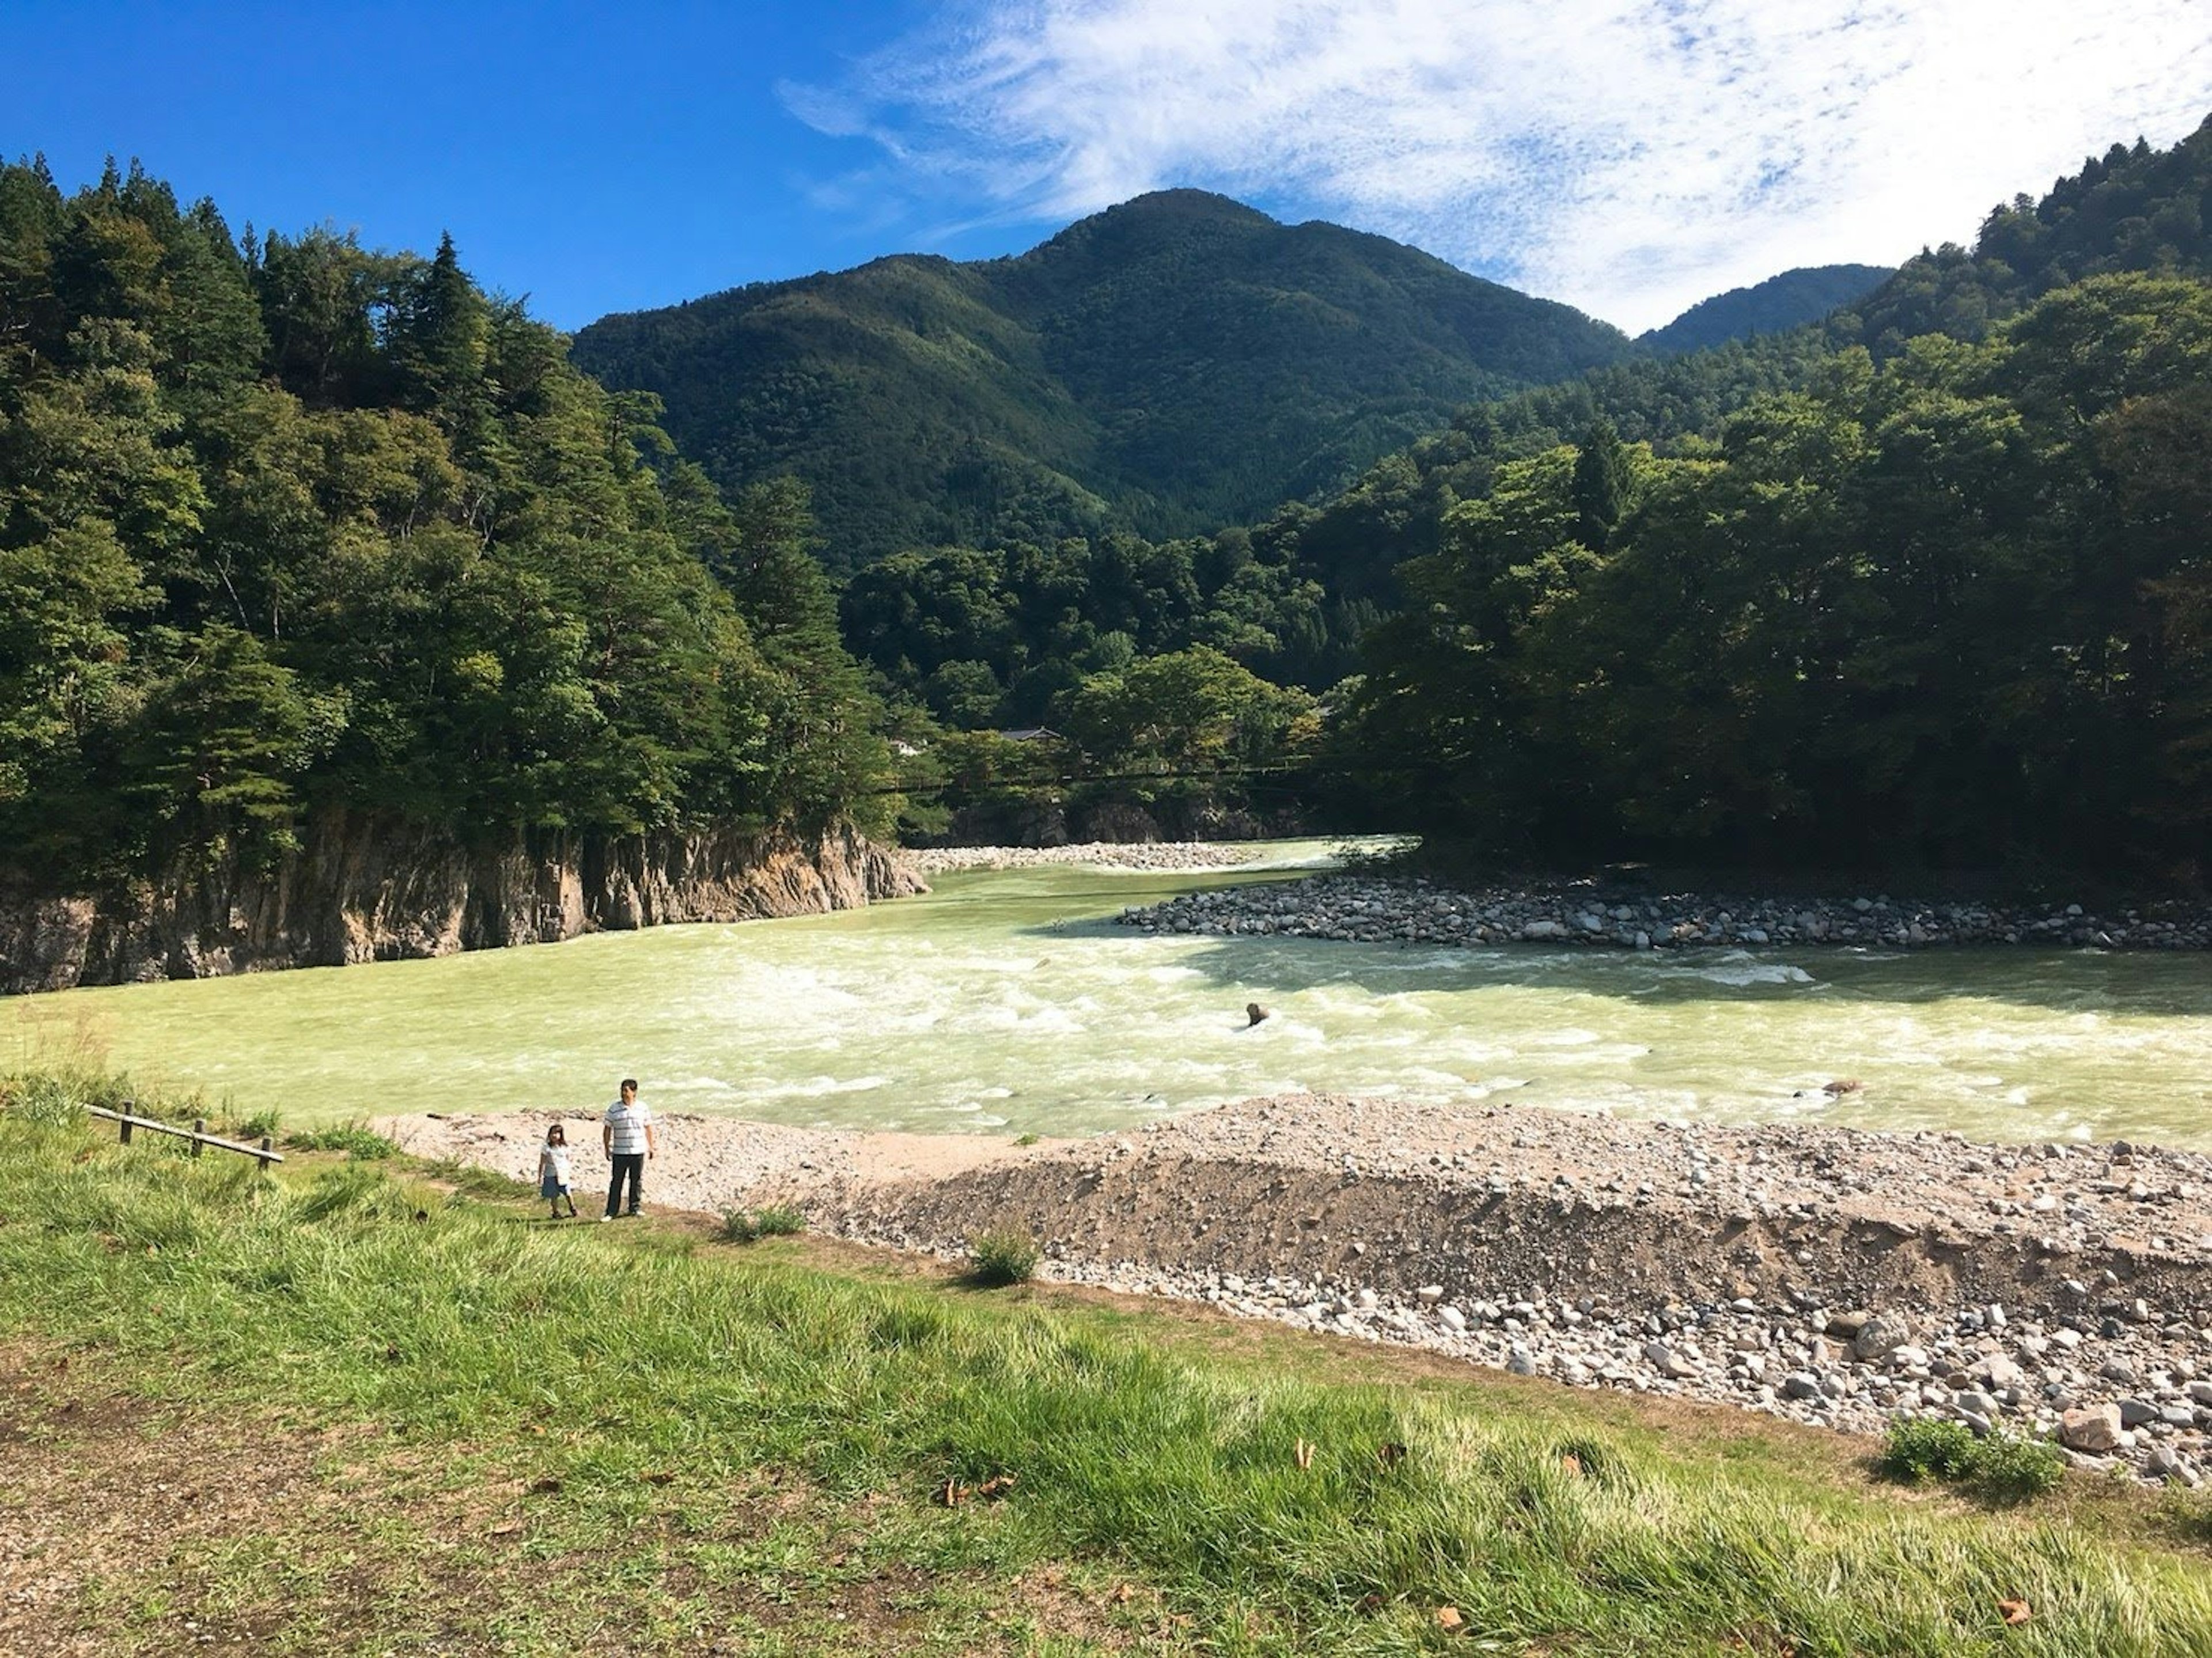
(361, 890)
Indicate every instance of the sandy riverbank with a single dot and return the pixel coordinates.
(1824, 1274)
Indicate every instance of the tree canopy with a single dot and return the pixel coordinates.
(288, 524)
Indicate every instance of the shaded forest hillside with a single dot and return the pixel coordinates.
(1789, 301)
(1168, 366)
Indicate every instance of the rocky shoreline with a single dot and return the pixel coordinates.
(1381, 909)
(1823, 1275)
(1110, 854)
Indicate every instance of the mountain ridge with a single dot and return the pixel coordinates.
(1174, 363)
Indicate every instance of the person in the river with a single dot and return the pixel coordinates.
(553, 1171)
(626, 1136)
(1252, 1014)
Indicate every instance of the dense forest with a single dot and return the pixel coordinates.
(288, 524)
(1947, 602)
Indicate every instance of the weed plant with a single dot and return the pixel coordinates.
(1257, 1507)
(1001, 1257)
(749, 1225)
(2000, 1468)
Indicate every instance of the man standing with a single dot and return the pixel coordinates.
(626, 1136)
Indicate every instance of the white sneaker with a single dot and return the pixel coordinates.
(605, 1218)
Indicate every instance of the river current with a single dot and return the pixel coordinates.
(1008, 1001)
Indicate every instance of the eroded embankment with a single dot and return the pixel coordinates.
(360, 889)
(1826, 1274)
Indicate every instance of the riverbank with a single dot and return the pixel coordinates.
(1381, 909)
(1106, 854)
(360, 889)
(1821, 1275)
(468, 1427)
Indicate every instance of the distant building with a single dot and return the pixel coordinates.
(1031, 734)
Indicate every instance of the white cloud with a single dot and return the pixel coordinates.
(1628, 158)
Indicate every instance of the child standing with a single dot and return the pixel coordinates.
(553, 1171)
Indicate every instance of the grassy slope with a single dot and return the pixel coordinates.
(734, 1450)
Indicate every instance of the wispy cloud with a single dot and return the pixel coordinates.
(1628, 156)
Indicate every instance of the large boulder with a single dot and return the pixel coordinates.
(2095, 1428)
(1881, 1336)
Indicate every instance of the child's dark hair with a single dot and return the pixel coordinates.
(555, 1132)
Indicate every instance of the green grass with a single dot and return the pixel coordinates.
(743, 1450)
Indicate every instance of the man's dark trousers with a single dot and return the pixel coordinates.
(628, 1166)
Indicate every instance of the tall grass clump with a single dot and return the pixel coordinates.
(356, 1139)
(777, 1220)
(61, 1094)
(1001, 1257)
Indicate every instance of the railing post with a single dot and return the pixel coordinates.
(199, 1126)
(267, 1144)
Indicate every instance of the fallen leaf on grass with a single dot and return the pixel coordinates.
(1448, 1618)
(660, 1476)
(996, 1486)
(950, 1495)
(1123, 1594)
(545, 1487)
(1390, 1456)
(2015, 1612)
(1571, 1465)
(507, 1530)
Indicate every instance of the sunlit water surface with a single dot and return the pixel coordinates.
(1008, 1001)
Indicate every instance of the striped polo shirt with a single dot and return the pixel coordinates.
(627, 1124)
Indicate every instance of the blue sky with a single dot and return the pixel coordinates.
(1627, 156)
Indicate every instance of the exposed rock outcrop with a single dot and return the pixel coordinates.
(361, 889)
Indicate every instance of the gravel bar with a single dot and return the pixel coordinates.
(1381, 909)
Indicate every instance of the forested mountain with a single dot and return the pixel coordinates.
(1943, 602)
(289, 524)
(1789, 300)
(1169, 365)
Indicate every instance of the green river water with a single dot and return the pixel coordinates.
(1007, 1001)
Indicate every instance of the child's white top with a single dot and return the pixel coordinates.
(553, 1160)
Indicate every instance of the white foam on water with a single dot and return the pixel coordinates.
(811, 1088)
